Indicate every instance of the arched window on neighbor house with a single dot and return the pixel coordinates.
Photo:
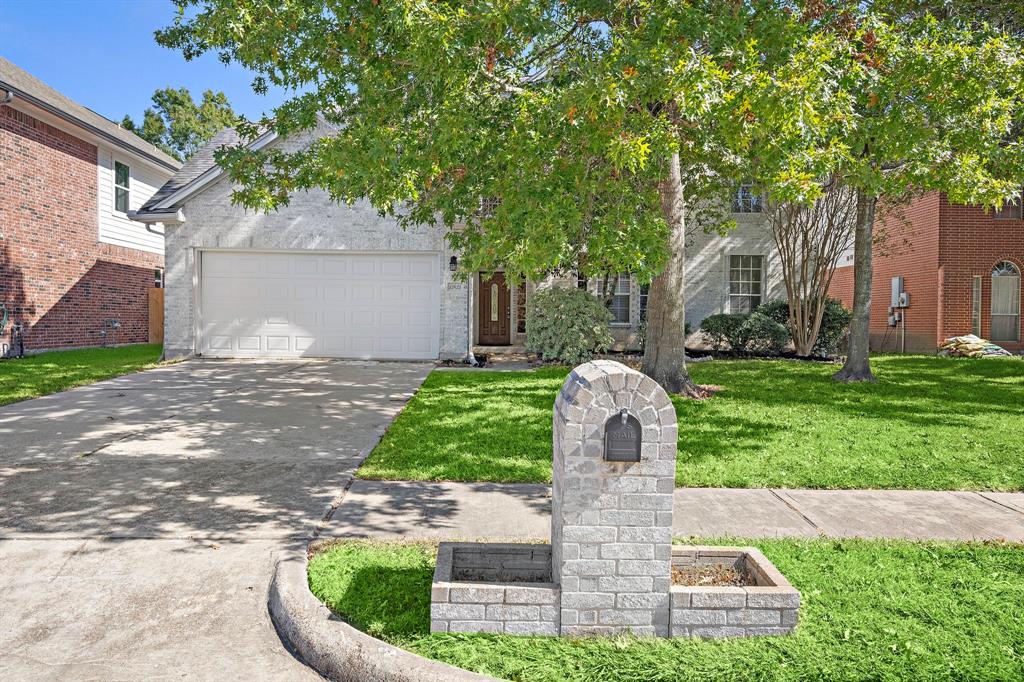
(1005, 309)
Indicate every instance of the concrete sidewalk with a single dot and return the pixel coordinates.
(405, 509)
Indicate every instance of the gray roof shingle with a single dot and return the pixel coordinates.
(28, 87)
(197, 164)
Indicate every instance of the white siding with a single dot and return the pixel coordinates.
(117, 228)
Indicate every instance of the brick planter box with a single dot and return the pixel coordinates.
(494, 587)
(768, 607)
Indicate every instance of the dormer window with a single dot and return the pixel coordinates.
(122, 178)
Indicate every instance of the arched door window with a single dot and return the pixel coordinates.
(1005, 302)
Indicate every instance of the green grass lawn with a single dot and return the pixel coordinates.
(929, 423)
(871, 610)
(37, 375)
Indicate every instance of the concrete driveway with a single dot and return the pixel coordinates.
(139, 517)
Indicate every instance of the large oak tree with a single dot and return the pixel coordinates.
(597, 129)
(925, 104)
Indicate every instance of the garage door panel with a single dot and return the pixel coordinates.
(365, 267)
(391, 318)
(279, 343)
(320, 305)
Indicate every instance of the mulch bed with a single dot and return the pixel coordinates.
(709, 576)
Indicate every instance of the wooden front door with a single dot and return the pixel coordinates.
(495, 310)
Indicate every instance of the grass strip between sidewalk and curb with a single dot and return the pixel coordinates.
(871, 609)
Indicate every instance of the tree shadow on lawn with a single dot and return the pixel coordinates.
(928, 422)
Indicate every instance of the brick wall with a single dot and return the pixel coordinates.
(906, 245)
(971, 243)
(938, 247)
(55, 277)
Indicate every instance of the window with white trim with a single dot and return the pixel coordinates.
(746, 281)
(746, 200)
(976, 305)
(1005, 310)
(619, 302)
(122, 180)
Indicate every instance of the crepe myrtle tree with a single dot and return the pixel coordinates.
(810, 239)
(596, 129)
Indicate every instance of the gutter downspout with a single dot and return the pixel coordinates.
(8, 98)
(470, 358)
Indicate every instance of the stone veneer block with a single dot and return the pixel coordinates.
(768, 607)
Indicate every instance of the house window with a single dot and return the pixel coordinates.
(1005, 312)
(645, 292)
(122, 177)
(581, 282)
(521, 308)
(746, 200)
(488, 206)
(619, 303)
(1011, 210)
(976, 305)
(746, 274)
(158, 278)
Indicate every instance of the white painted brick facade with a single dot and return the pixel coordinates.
(310, 222)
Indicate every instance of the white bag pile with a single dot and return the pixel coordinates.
(970, 346)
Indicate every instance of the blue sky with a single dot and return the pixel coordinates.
(101, 53)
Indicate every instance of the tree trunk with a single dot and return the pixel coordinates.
(665, 348)
(857, 367)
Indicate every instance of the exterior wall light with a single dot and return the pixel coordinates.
(453, 263)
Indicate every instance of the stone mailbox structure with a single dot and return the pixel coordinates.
(609, 567)
(611, 514)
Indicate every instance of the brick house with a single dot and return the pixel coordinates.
(960, 266)
(74, 269)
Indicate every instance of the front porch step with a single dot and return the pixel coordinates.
(501, 350)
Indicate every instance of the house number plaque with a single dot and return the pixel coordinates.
(622, 438)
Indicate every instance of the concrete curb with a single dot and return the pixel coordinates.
(334, 648)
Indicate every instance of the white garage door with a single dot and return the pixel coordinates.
(383, 306)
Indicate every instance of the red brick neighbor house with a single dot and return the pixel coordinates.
(961, 274)
(74, 269)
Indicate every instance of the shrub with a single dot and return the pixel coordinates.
(776, 309)
(725, 329)
(762, 334)
(568, 325)
(835, 323)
